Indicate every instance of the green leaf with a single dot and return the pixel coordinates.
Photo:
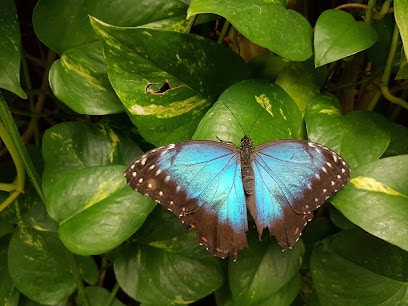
(62, 25)
(10, 49)
(258, 108)
(354, 268)
(33, 211)
(80, 81)
(96, 210)
(301, 81)
(98, 296)
(266, 23)
(360, 136)
(75, 145)
(9, 295)
(65, 25)
(398, 145)
(40, 256)
(376, 199)
(401, 17)
(384, 28)
(79, 77)
(86, 190)
(166, 266)
(263, 275)
(338, 35)
(166, 80)
(267, 66)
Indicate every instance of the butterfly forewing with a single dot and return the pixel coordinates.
(200, 182)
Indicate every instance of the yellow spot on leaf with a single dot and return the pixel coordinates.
(370, 184)
(330, 111)
(114, 141)
(282, 114)
(264, 101)
(85, 72)
(104, 190)
(171, 110)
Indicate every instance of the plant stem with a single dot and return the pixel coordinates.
(20, 156)
(387, 74)
(223, 33)
(18, 186)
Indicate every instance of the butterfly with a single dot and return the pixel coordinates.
(211, 185)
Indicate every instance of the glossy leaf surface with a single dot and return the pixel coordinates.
(266, 23)
(338, 35)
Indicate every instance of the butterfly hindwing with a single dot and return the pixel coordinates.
(200, 182)
(293, 178)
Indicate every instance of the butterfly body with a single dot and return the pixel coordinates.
(211, 185)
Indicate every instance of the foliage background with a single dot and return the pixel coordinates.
(86, 86)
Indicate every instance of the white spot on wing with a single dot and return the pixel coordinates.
(329, 165)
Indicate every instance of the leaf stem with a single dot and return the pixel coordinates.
(17, 187)
(223, 32)
(32, 126)
(112, 296)
(387, 74)
(18, 151)
(78, 280)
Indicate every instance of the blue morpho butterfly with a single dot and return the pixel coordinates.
(210, 185)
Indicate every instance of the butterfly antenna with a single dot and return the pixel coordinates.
(256, 120)
(235, 117)
(239, 123)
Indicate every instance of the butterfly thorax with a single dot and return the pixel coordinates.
(247, 172)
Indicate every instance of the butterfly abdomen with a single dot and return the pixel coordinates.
(247, 172)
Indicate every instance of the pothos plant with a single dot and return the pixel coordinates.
(126, 76)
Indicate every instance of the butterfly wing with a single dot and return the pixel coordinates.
(292, 178)
(200, 182)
